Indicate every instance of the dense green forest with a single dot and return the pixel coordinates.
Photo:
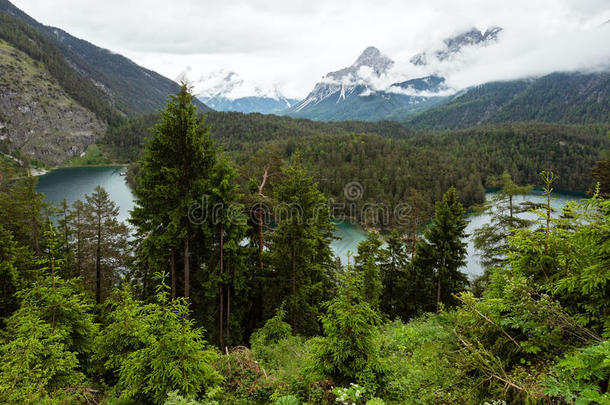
(575, 98)
(391, 161)
(228, 292)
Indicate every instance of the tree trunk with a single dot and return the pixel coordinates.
(172, 264)
(221, 297)
(98, 258)
(228, 312)
(438, 294)
(294, 286)
(79, 260)
(260, 236)
(510, 204)
(413, 236)
(187, 270)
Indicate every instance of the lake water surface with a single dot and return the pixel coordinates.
(73, 183)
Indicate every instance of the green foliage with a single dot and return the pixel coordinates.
(582, 377)
(491, 239)
(370, 254)
(442, 252)
(36, 364)
(175, 175)
(385, 157)
(103, 242)
(168, 354)
(301, 248)
(10, 280)
(347, 351)
(287, 400)
(274, 330)
(551, 98)
(48, 340)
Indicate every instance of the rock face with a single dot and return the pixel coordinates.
(39, 121)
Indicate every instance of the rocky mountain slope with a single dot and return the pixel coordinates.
(39, 121)
(131, 88)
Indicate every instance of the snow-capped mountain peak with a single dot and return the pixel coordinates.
(452, 46)
(227, 91)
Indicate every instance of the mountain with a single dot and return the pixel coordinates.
(452, 46)
(228, 92)
(571, 98)
(130, 88)
(350, 94)
(40, 121)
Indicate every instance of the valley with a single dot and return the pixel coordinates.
(317, 203)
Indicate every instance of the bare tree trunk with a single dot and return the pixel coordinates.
(187, 270)
(228, 309)
(260, 235)
(98, 258)
(438, 294)
(294, 286)
(221, 288)
(172, 264)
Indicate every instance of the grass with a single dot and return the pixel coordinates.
(93, 156)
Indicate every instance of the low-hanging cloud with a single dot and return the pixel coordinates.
(294, 44)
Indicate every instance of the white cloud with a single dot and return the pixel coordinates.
(293, 44)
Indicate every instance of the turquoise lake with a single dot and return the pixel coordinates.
(74, 183)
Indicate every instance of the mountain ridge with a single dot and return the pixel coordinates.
(132, 89)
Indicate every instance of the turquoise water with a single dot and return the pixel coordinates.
(73, 183)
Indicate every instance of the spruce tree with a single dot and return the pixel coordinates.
(491, 239)
(175, 170)
(442, 252)
(301, 248)
(367, 265)
(229, 230)
(106, 241)
(393, 271)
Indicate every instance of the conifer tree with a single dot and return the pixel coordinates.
(50, 337)
(168, 353)
(106, 241)
(175, 170)
(442, 252)
(367, 264)
(347, 350)
(301, 247)
(393, 271)
(491, 239)
(10, 281)
(229, 222)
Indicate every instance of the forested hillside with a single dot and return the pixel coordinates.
(390, 160)
(570, 98)
(230, 294)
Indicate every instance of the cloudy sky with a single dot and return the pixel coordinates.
(293, 43)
